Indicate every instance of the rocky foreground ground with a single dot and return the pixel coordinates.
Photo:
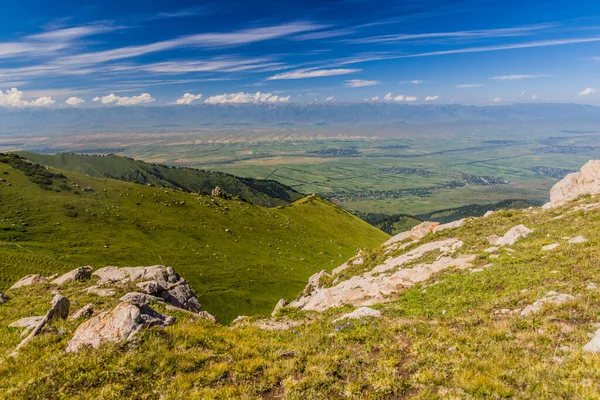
(505, 305)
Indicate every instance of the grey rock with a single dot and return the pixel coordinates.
(514, 234)
(139, 299)
(593, 346)
(78, 274)
(84, 312)
(584, 182)
(182, 296)
(3, 298)
(28, 323)
(550, 298)
(362, 312)
(150, 287)
(578, 240)
(550, 247)
(29, 280)
(119, 325)
(280, 304)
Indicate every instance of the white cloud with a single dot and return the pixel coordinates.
(374, 98)
(587, 92)
(74, 101)
(469, 85)
(516, 77)
(14, 98)
(126, 101)
(496, 99)
(388, 97)
(399, 98)
(522, 93)
(246, 98)
(413, 82)
(431, 98)
(188, 98)
(355, 83)
(534, 97)
(410, 99)
(330, 98)
(312, 73)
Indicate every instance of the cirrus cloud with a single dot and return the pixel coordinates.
(312, 73)
(431, 98)
(356, 83)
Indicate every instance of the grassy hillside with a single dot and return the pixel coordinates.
(392, 224)
(240, 258)
(267, 193)
(475, 210)
(458, 335)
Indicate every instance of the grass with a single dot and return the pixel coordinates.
(442, 339)
(240, 258)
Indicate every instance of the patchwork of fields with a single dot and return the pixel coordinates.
(381, 168)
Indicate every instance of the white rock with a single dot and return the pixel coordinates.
(450, 225)
(550, 298)
(577, 240)
(362, 312)
(488, 213)
(514, 234)
(584, 182)
(593, 346)
(492, 249)
(550, 247)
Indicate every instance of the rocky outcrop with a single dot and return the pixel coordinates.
(29, 280)
(514, 234)
(593, 346)
(584, 182)
(121, 324)
(450, 225)
(385, 280)
(280, 304)
(549, 298)
(157, 280)
(78, 274)
(416, 233)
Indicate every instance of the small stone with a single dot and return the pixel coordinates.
(593, 346)
(492, 249)
(550, 247)
(578, 240)
(362, 312)
(550, 298)
(84, 312)
(591, 286)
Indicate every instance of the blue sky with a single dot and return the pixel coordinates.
(74, 53)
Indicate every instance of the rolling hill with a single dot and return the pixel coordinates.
(267, 193)
(239, 257)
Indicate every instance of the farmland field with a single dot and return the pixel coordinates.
(380, 168)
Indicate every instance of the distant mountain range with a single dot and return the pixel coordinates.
(181, 117)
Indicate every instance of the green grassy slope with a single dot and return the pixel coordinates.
(267, 193)
(240, 258)
(445, 338)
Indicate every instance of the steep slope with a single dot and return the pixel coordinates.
(521, 321)
(240, 258)
(266, 193)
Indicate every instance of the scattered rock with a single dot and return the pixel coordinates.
(28, 323)
(550, 298)
(492, 249)
(149, 287)
(270, 325)
(450, 225)
(488, 213)
(280, 304)
(593, 346)
(514, 234)
(584, 182)
(493, 239)
(362, 312)
(591, 286)
(84, 312)
(78, 274)
(578, 240)
(217, 192)
(29, 280)
(100, 292)
(550, 247)
(3, 298)
(59, 309)
(119, 325)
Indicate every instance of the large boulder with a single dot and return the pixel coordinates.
(78, 274)
(29, 280)
(584, 182)
(121, 324)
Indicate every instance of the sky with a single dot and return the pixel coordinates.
(74, 53)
